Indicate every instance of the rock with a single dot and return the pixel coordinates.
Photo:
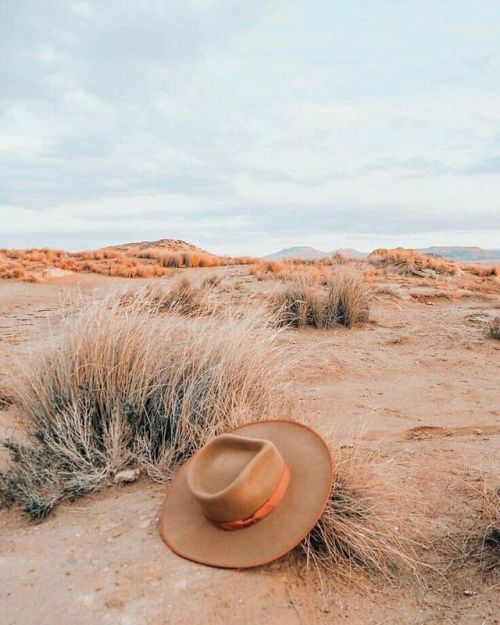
(425, 273)
(127, 475)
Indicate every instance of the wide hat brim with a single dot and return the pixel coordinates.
(191, 535)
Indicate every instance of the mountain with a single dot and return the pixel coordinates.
(303, 251)
(166, 245)
(462, 253)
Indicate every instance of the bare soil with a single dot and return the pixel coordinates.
(420, 381)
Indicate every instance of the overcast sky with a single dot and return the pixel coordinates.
(247, 126)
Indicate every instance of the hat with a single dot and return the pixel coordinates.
(248, 497)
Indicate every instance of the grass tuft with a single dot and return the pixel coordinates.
(123, 388)
(365, 529)
(181, 299)
(344, 301)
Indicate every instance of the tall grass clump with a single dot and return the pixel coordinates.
(181, 299)
(120, 388)
(368, 527)
(410, 262)
(347, 298)
(299, 305)
(344, 301)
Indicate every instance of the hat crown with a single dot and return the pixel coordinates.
(233, 476)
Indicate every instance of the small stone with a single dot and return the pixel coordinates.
(469, 593)
(127, 475)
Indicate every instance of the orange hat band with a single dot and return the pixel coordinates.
(264, 510)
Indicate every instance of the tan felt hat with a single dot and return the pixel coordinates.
(248, 497)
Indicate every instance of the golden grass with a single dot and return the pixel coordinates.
(369, 526)
(181, 299)
(211, 281)
(408, 262)
(291, 270)
(33, 264)
(483, 271)
(344, 301)
(122, 388)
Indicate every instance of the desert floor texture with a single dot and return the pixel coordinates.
(420, 381)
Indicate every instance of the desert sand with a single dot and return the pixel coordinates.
(419, 381)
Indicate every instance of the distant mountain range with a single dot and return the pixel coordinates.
(305, 251)
(455, 252)
(452, 252)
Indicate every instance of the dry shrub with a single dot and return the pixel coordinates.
(121, 388)
(211, 281)
(494, 330)
(485, 542)
(483, 271)
(477, 540)
(310, 271)
(299, 305)
(124, 262)
(344, 301)
(409, 262)
(347, 298)
(181, 299)
(369, 526)
(31, 265)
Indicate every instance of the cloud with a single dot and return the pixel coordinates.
(223, 119)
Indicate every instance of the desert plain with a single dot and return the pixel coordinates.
(416, 382)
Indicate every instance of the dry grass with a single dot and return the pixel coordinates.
(299, 305)
(483, 271)
(211, 281)
(494, 329)
(126, 262)
(410, 262)
(368, 527)
(344, 301)
(180, 299)
(122, 388)
(484, 544)
(310, 271)
(477, 540)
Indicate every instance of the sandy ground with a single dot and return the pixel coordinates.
(420, 381)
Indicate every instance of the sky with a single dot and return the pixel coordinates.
(248, 126)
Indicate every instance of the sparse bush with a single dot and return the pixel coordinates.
(125, 261)
(347, 299)
(366, 527)
(344, 301)
(495, 328)
(300, 305)
(483, 271)
(477, 540)
(124, 388)
(181, 299)
(409, 262)
(211, 281)
(291, 270)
